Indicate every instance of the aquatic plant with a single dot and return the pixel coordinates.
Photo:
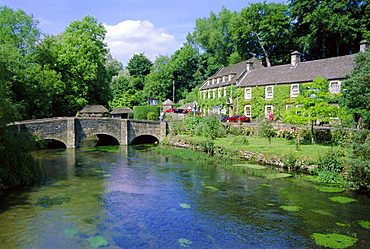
(278, 175)
(70, 231)
(98, 241)
(51, 201)
(291, 208)
(364, 224)
(184, 242)
(342, 199)
(329, 189)
(185, 205)
(334, 240)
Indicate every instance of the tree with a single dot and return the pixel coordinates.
(81, 60)
(158, 84)
(267, 130)
(315, 103)
(264, 30)
(184, 65)
(139, 65)
(328, 28)
(213, 36)
(357, 89)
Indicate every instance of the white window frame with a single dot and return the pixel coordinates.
(225, 92)
(288, 106)
(248, 93)
(267, 95)
(213, 93)
(250, 111)
(294, 92)
(266, 108)
(219, 92)
(331, 89)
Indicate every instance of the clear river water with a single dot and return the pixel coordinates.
(130, 197)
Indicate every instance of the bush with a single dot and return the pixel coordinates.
(330, 167)
(240, 140)
(358, 166)
(141, 112)
(151, 116)
(211, 127)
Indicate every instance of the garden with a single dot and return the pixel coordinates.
(334, 156)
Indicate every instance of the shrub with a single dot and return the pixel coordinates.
(211, 127)
(287, 133)
(330, 167)
(358, 166)
(141, 112)
(240, 140)
(151, 116)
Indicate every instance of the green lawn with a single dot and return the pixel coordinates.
(278, 147)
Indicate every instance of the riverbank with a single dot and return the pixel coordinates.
(286, 160)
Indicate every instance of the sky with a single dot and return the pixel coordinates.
(152, 27)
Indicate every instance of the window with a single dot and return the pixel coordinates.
(219, 92)
(288, 106)
(213, 81)
(218, 80)
(248, 111)
(269, 109)
(294, 90)
(269, 92)
(248, 93)
(209, 94)
(334, 87)
(214, 93)
(225, 92)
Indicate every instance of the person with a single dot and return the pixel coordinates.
(161, 117)
(271, 116)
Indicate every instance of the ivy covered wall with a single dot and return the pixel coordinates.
(281, 97)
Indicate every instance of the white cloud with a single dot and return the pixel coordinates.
(132, 37)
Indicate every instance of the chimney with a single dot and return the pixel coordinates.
(363, 46)
(295, 58)
(249, 66)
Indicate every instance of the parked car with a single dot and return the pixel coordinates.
(179, 110)
(170, 110)
(238, 118)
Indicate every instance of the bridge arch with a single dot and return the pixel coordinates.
(144, 139)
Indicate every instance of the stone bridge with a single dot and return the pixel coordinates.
(72, 130)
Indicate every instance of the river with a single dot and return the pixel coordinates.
(132, 197)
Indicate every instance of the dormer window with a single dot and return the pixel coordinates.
(213, 81)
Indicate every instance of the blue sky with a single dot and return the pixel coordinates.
(153, 27)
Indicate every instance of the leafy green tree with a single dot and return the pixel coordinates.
(81, 59)
(315, 103)
(211, 127)
(266, 130)
(357, 89)
(263, 29)
(328, 28)
(213, 36)
(184, 65)
(139, 65)
(159, 83)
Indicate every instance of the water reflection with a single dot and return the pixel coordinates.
(131, 197)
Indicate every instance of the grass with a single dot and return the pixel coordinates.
(279, 147)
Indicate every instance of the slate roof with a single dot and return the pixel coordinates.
(122, 111)
(238, 70)
(94, 109)
(330, 68)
